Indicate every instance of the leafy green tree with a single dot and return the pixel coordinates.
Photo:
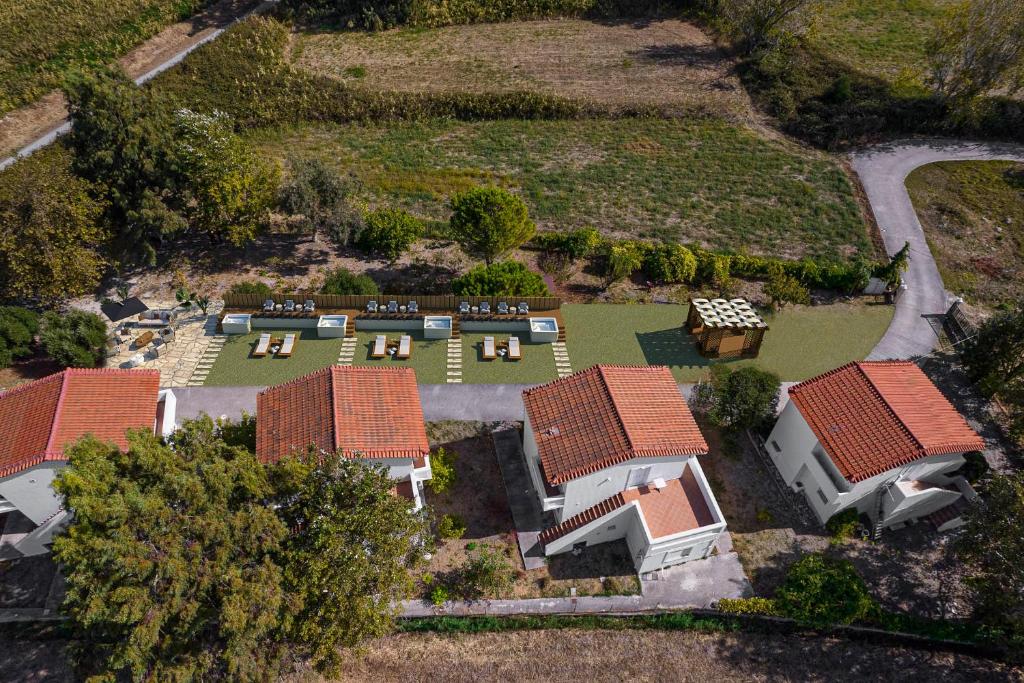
(763, 24)
(782, 288)
(18, 327)
(50, 231)
(342, 281)
(745, 398)
(892, 272)
(389, 232)
(624, 259)
(994, 355)
(485, 573)
(671, 263)
(169, 559)
(442, 467)
(505, 278)
(489, 222)
(227, 189)
(451, 527)
(821, 591)
(350, 561)
(74, 338)
(321, 197)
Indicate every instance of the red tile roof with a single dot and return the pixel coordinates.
(38, 420)
(871, 417)
(607, 415)
(679, 506)
(361, 411)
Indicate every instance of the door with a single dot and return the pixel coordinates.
(638, 476)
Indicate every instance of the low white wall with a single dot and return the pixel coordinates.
(370, 324)
(284, 323)
(494, 325)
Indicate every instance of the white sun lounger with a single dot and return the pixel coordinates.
(489, 353)
(380, 347)
(514, 352)
(262, 346)
(404, 346)
(287, 346)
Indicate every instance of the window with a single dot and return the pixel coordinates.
(775, 445)
(821, 494)
(611, 528)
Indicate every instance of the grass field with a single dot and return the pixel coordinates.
(801, 342)
(707, 182)
(43, 40)
(660, 62)
(880, 37)
(973, 216)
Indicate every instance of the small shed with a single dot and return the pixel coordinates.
(726, 328)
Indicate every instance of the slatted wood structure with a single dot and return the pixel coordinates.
(726, 328)
(433, 302)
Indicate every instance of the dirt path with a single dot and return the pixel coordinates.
(21, 127)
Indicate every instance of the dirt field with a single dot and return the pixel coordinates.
(660, 62)
(652, 656)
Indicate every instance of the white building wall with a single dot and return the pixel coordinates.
(589, 490)
(676, 550)
(31, 491)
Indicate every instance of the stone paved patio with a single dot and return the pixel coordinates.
(194, 334)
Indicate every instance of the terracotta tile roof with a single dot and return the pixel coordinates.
(607, 415)
(874, 416)
(679, 506)
(361, 411)
(39, 419)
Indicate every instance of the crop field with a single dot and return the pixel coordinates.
(661, 62)
(44, 40)
(879, 37)
(706, 182)
(973, 216)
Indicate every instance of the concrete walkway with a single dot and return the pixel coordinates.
(883, 171)
(527, 515)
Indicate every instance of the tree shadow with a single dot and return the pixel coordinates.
(25, 582)
(478, 495)
(692, 56)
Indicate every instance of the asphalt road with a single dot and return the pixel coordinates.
(883, 171)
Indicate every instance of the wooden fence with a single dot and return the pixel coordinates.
(433, 302)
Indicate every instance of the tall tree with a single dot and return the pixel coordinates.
(744, 398)
(766, 23)
(489, 222)
(50, 231)
(978, 48)
(994, 356)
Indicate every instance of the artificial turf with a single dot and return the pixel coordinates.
(235, 365)
(536, 367)
(427, 358)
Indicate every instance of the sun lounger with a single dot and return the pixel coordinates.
(392, 307)
(489, 353)
(404, 346)
(309, 306)
(262, 346)
(380, 347)
(268, 305)
(502, 308)
(485, 307)
(514, 352)
(289, 306)
(414, 307)
(464, 307)
(287, 346)
(371, 307)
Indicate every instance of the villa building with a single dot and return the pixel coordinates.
(369, 413)
(878, 437)
(612, 453)
(41, 419)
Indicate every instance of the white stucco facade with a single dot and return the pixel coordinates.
(404, 469)
(910, 492)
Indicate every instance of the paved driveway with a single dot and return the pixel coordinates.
(883, 171)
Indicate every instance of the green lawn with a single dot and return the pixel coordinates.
(428, 356)
(802, 342)
(708, 181)
(236, 365)
(536, 367)
(882, 37)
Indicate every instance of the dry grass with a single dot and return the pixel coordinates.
(661, 62)
(576, 655)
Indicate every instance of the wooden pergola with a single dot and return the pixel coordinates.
(726, 328)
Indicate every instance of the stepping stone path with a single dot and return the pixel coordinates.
(348, 351)
(454, 361)
(562, 364)
(205, 363)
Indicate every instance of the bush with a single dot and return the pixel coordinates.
(18, 328)
(821, 591)
(576, 244)
(624, 259)
(670, 263)
(451, 527)
(342, 281)
(73, 339)
(439, 595)
(486, 573)
(744, 398)
(488, 222)
(843, 525)
(320, 196)
(764, 606)
(507, 278)
(442, 467)
(389, 233)
(251, 287)
(785, 289)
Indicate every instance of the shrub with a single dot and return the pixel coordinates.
(822, 591)
(843, 525)
(18, 327)
(251, 287)
(320, 196)
(624, 259)
(485, 573)
(342, 281)
(576, 244)
(451, 527)
(744, 398)
(389, 232)
(764, 606)
(785, 289)
(442, 467)
(73, 339)
(439, 595)
(506, 278)
(670, 263)
(489, 222)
